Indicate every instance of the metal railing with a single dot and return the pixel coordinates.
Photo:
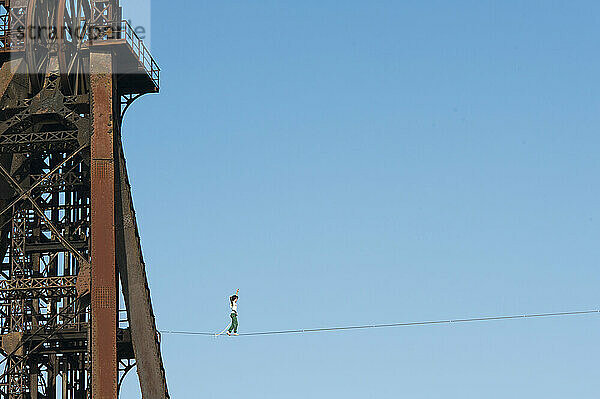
(143, 55)
(123, 31)
(116, 31)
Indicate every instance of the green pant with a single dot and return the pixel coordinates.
(234, 322)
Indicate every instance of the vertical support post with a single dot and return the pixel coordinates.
(103, 275)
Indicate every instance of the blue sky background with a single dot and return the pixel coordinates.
(368, 162)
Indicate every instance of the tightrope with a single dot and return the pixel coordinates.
(389, 325)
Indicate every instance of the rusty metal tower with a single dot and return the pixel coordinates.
(68, 234)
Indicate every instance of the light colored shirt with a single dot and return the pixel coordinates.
(234, 306)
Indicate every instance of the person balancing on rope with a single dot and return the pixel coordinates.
(234, 322)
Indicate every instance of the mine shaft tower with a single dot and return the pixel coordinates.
(68, 233)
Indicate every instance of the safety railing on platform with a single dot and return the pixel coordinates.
(116, 31)
(143, 55)
(123, 31)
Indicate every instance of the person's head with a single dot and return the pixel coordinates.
(233, 299)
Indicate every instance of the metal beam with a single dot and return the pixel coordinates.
(104, 285)
(132, 271)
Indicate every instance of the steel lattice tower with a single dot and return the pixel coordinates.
(68, 234)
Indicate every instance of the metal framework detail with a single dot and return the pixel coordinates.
(69, 242)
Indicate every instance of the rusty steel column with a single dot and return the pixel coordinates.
(104, 282)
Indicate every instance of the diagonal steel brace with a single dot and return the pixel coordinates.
(41, 213)
(40, 181)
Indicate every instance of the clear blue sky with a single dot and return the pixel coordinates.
(373, 161)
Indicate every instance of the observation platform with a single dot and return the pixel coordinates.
(136, 70)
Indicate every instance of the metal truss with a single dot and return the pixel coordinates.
(43, 287)
(50, 303)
